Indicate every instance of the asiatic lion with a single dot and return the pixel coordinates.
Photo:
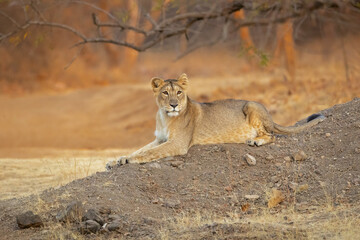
(182, 122)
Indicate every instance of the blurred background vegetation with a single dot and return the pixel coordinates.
(296, 57)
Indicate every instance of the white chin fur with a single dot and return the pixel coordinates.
(173, 114)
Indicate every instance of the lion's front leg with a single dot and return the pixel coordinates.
(127, 159)
(167, 149)
(163, 150)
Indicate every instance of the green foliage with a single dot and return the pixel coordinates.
(123, 15)
(253, 52)
(39, 40)
(158, 5)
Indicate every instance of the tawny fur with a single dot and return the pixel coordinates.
(182, 122)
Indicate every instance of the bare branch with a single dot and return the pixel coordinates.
(58, 25)
(11, 19)
(111, 41)
(118, 24)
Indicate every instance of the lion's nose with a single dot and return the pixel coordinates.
(174, 105)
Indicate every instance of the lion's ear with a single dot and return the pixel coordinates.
(183, 81)
(156, 83)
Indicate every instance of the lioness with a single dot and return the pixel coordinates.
(182, 122)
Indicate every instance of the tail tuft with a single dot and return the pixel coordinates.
(316, 116)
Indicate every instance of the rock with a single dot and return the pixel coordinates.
(176, 164)
(328, 134)
(94, 215)
(28, 220)
(250, 159)
(252, 197)
(303, 187)
(287, 158)
(72, 213)
(357, 150)
(299, 156)
(113, 226)
(155, 165)
(228, 188)
(89, 226)
(269, 157)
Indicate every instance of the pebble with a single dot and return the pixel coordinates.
(28, 219)
(176, 164)
(269, 157)
(94, 215)
(155, 165)
(299, 156)
(328, 134)
(113, 226)
(287, 158)
(252, 197)
(250, 159)
(89, 226)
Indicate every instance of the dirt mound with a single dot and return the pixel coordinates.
(212, 192)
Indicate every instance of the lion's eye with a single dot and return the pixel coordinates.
(179, 92)
(165, 93)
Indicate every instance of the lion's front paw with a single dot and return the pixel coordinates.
(111, 164)
(251, 143)
(123, 160)
(119, 162)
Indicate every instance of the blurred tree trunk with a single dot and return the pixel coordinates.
(112, 52)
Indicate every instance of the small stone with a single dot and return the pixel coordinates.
(274, 179)
(269, 157)
(250, 159)
(303, 187)
(155, 165)
(252, 197)
(327, 134)
(287, 158)
(28, 219)
(113, 226)
(228, 188)
(176, 164)
(72, 213)
(299, 156)
(92, 214)
(357, 150)
(89, 226)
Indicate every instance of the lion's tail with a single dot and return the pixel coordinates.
(311, 121)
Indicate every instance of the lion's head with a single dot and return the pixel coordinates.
(171, 94)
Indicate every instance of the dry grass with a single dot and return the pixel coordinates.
(340, 223)
(25, 176)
